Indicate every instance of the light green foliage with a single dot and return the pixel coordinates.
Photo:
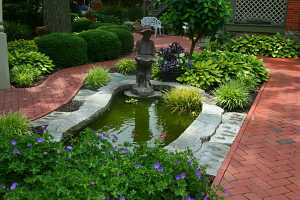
(212, 69)
(96, 78)
(34, 59)
(96, 168)
(13, 124)
(276, 46)
(24, 75)
(203, 17)
(126, 66)
(22, 46)
(184, 100)
(155, 71)
(232, 95)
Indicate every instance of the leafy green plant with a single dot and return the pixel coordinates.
(102, 45)
(155, 71)
(34, 167)
(35, 60)
(276, 46)
(16, 31)
(184, 100)
(22, 46)
(135, 13)
(63, 48)
(233, 95)
(212, 69)
(125, 37)
(24, 75)
(14, 124)
(195, 18)
(81, 24)
(96, 78)
(126, 66)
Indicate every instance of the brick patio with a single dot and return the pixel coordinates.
(264, 161)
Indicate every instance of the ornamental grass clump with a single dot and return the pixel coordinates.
(13, 124)
(126, 66)
(233, 95)
(96, 78)
(184, 100)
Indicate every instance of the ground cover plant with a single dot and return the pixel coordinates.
(184, 100)
(96, 78)
(95, 167)
(211, 69)
(126, 66)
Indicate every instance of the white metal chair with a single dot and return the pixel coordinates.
(153, 22)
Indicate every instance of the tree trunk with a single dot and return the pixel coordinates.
(194, 43)
(57, 15)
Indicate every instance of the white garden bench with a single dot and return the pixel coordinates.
(153, 22)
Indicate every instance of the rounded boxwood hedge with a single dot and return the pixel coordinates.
(126, 38)
(81, 24)
(64, 49)
(102, 45)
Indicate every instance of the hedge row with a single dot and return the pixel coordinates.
(104, 43)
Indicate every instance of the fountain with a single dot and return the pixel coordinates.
(145, 57)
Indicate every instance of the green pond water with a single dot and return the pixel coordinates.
(146, 120)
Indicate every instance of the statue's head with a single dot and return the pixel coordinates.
(146, 32)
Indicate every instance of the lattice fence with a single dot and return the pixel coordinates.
(271, 12)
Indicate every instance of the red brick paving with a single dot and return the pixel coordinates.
(59, 88)
(264, 161)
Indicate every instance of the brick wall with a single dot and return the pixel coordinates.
(293, 17)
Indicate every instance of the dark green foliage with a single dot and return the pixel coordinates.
(96, 168)
(96, 78)
(135, 13)
(125, 27)
(17, 31)
(64, 49)
(276, 46)
(103, 18)
(120, 12)
(212, 69)
(200, 18)
(13, 124)
(102, 45)
(125, 37)
(233, 95)
(81, 24)
(99, 24)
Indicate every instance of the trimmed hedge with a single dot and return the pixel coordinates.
(126, 38)
(102, 45)
(64, 49)
(81, 24)
(16, 31)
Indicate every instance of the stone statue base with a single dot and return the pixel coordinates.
(155, 94)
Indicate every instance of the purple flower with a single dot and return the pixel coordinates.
(158, 167)
(40, 140)
(16, 151)
(68, 148)
(190, 162)
(114, 137)
(198, 174)
(13, 186)
(206, 197)
(122, 198)
(40, 130)
(123, 150)
(13, 142)
(180, 176)
(29, 145)
(102, 136)
(189, 198)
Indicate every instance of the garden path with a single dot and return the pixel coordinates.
(264, 161)
(60, 87)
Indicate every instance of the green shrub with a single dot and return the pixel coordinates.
(120, 12)
(232, 95)
(17, 31)
(276, 46)
(135, 13)
(13, 124)
(102, 45)
(212, 69)
(64, 49)
(116, 26)
(96, 78)
(22, 46)
(95, 168)
(184, 100)
(103, 18)
(35, 60)
(24, 75)
(126, 66)
(99, 24)
(81, 24)
(126, 38)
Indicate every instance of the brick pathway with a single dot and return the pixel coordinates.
(59, 88)
(264, 161)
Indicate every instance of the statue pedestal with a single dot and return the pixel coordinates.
(4, 70)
